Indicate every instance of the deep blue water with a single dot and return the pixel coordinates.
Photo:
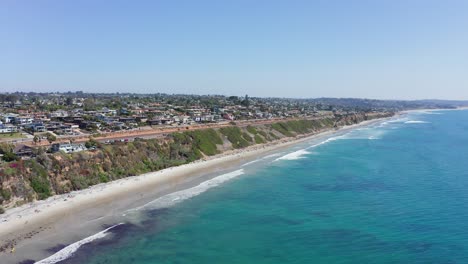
(395, 192)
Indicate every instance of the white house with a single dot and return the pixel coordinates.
(68, 148)
(8, 129)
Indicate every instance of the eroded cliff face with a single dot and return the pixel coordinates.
(24, 181)
(351, 119)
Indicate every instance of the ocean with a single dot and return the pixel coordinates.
(392, 192)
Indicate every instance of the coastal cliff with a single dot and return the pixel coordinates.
(23, 181)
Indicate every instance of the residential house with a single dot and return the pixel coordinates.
(22, 120)
(68, 147)
(118, 125)
(23, 151)
(127, 119)
(8, 118)
(108, 112)
(8, 129)
(159, 121)
(36, 127)
(59, 113)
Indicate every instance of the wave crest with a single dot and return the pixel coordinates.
(177, 197)
(69, 250)
(294, 155)
(416, 122)
(260, 159)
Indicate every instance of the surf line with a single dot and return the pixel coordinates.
(69, 250)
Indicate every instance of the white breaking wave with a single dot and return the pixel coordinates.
(177, 197)
(264, 158)
(393, 121)
(250, 162)
(300, 153)
(71, 249)
(327, 140)
(416, 122)
(371, 133)
(294, 155)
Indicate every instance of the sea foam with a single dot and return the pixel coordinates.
(327, 141)
(72, 248)
(294, 155)
(300, 153)
(260, 159)
(368, 133)
(179, 196)
(416, 122)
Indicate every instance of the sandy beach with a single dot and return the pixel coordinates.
(27, 232)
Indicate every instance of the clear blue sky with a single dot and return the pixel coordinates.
(394, 49)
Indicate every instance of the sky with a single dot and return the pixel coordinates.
(382, 49)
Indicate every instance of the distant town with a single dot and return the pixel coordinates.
(67, 121)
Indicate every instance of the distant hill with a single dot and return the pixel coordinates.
(395, 105)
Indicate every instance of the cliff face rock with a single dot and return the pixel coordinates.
(24, 181)
(350, 119)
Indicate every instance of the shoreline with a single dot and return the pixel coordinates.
(82, 213)
(460, 108)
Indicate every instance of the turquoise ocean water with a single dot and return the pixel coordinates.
(395, 192)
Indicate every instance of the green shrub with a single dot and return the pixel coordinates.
(5, 194)
(9, 171)
(2, 211)
(273, 135)
(182, 138)
(103, 177)
(38, 179)
(252, 130)
(282, 128)
(264, 135)
(41, 186)
(79, 182)
(91, 143)
(50, 137)
(247, 137)
(7, 151)
(9, 156)
(259, 139)
(298, 126)
(295, 126)
(234, 136)
(328, 122)
(206, 140)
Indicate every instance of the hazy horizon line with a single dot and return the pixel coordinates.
(226, 95)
